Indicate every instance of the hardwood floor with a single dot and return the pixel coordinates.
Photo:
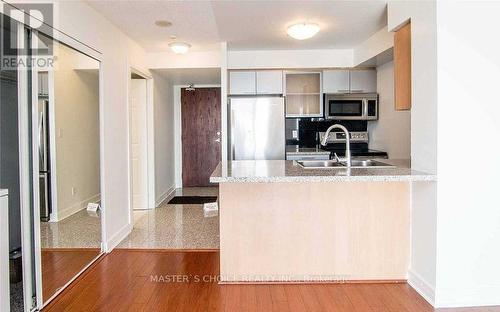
(133, 280)
(60, 265)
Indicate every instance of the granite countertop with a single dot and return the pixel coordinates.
(263, 171)
(4, 192)
(296, 150)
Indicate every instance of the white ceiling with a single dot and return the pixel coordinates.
(196, 76)
(245, 25)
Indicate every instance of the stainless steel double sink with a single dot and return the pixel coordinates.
(332, 164)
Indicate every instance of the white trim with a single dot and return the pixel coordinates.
(166, 195)
(150, 141)
(461, 297)
(117, 238)
(25, 193)
(52, 147)
(35, 181)
(421, 286)
(178, 129)
(223, 99)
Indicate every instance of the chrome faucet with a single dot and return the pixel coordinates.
(347, 157)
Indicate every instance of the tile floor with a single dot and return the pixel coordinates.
(175, 226)
(81, 230)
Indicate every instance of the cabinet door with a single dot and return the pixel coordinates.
(270, 82)
(402, 68)
(303, 94)
(242, 82)
(363, 81)
(336, 81)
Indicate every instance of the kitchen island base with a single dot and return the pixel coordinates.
(321, 231)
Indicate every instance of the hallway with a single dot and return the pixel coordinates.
(175, 226)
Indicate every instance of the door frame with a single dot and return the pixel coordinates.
(150, 142)
(178, 128)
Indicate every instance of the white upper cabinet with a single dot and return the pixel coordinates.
(363, 81)
(270, 82)
(242, 82)
(336, 81)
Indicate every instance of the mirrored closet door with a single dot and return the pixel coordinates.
(68, 226)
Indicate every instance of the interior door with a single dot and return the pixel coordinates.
(201, 137)
(138, 124)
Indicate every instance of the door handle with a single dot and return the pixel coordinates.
(217, 140)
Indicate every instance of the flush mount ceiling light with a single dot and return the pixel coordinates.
(179, 47)
(302, 31)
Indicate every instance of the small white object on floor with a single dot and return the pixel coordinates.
(210, 209)
(92, 207)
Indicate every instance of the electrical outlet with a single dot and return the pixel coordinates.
(295, 134)
(59, 133)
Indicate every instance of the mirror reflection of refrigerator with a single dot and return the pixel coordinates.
(44, 159)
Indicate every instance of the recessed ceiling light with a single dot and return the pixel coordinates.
(163, 23)
(302, 31)
(179, 47)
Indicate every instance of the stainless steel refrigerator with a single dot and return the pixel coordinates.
(44, 159)
(256, 128)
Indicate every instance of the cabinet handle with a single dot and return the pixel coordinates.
(343, 91)
(357, 91)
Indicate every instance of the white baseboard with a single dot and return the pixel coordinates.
(166, 195)
(426, 290)
(79, 206)
(469, 297)
(117, 238)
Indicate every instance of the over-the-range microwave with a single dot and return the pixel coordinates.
(351, 106)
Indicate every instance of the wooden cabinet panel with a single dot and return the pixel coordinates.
(336, 81)
(242, 82)
(363, 81)
(270, 82)
(402, 68)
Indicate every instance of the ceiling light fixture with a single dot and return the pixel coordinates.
(302, 31)
(179, 47)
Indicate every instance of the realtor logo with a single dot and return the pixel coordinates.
(19, 51)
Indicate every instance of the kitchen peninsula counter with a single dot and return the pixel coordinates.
(280, 222)
(268, 171)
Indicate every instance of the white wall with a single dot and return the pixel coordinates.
(379, 42)
(163, 99)
(202, 59)
(422, 272)
(76, 120)
(468, 223)
(391, 132)
(290, 58)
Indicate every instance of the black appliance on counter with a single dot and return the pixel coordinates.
(307, 132)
